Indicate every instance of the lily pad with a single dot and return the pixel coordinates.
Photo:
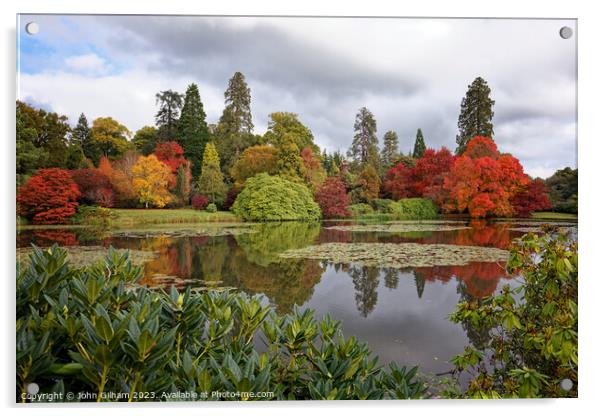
(81, 256)
(204, 231)
(399, 256)
(398, 227)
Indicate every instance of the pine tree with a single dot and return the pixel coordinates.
(390, 151)
(235, 125)
(211, 182)
(170, 104)
(419, 146)
(82, 134)
(193, 133)
(476, 114)
(364, 148)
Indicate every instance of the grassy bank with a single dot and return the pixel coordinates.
(553, 216)
(128, 217)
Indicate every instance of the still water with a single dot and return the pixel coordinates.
(401, 313)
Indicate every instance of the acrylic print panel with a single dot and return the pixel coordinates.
(287, 208)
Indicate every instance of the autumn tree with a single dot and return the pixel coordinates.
(283, 124)
(110, 138)
(419, 145)
(476, 114)
(151, 181)
(211, 182)
(313, 172)
(368, 183)
(193, 133)
(333, 198)
(235, 126)
(390, 150)
(122, 179)
(533, 198)
(170, 103)
(364, 148)
(49, 197)
(172, 154)
(145, 140)
(289, 164)
(182, 189)
(254, 160)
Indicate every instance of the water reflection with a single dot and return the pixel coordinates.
(402, 314)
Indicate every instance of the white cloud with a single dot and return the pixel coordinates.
(89, 63)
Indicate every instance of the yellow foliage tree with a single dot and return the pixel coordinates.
(151, 181)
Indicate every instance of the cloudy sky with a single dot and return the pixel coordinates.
(410, 73)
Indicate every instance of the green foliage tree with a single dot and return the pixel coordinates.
(272, 198)
(235, 126)
(531, 342)
(145, 140)
(476, 114)
(563, 189)
(390, 151)
(419, 145)
(289, 164)
(364, 148)
(170, 103)
(193, 133)
(110, 138)
(211, 182)
(285, 126)
(82, 134)
(182, 190)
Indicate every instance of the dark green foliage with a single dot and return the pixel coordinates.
(530, 332)
(193, 133)
(94, 330)
(476, 114)
(234, 130)
(382, 205)
(145, 140)
(419, 145)
(272, 198)
(82, 134)
(390, 151)
(364, 148)
(562, 190)
(170, 103)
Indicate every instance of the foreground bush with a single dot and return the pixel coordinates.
(414, 209)
(528, 335)
(272, 198)
(86, 330)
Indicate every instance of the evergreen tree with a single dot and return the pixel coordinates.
(211, 182)
(390, 151)
(419, 146)
(182, 190)
(193, 133)
(234, 130)
(476, 114)
(170, 104)
(364, 148)
(82, 134)
(145, 140)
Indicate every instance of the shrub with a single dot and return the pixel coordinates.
(94, 330)
(211, 208)
(199, 202)
(94, 186)
(382, 205)
(333, 198)
(48, 197)
(357, 210)
(272, 198)
(231, 197)
(96, 216)
(414, 209)
(529, 334)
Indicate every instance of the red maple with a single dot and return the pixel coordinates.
(333, 198)
(50, 197)
(170, 153)
(533, 198)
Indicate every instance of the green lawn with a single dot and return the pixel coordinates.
(553, 216)
(128, 217)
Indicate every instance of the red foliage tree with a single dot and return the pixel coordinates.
(50, 197)
(199, 202)
(170, 153)
(485, 185)
(333, 198)
(231, 197)
(533, 198)
(425, 179)
(94, 186)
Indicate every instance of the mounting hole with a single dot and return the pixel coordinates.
(32, 28)
(566, 32)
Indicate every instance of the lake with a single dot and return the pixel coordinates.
(402, 312)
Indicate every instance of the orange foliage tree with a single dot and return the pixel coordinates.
(313, 174)
(254, 160)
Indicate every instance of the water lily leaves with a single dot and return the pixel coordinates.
(399, 227)
(402, 255)
(206, 231)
